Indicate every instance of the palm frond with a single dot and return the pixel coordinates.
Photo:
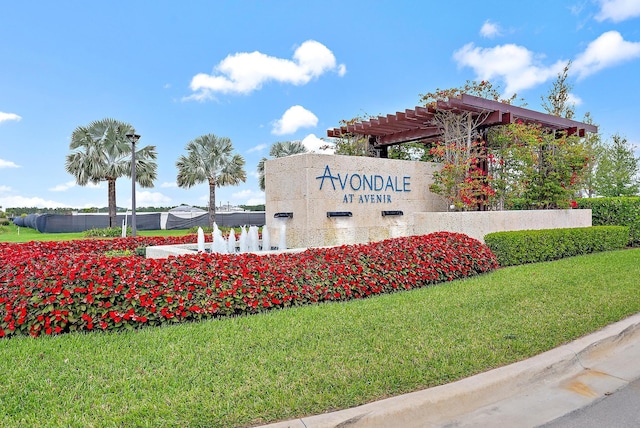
(233, 173)
(261, 173)
(102, 152)
(279, 150)
(287, 148)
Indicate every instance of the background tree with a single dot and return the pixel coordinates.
(538, 168)
(460, 131)
(541, 168)
(210, 159)
(102, 152)
(558, 100)
(352, 144)
(617, 170)
(462, 147)
(558, 103)
(279, 150)
(415, 151)
(595, 148)
(482, 89)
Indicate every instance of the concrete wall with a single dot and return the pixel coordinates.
(478, 224)
(310, 185)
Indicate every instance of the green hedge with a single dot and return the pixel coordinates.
(622, 211)
(531, 246)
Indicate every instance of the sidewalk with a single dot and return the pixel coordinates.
(524, 394)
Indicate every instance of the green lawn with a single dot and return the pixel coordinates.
(13, 233)
(296, 362)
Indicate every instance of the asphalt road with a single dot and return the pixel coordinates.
(618, 410)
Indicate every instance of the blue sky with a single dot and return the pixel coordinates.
(259, 72)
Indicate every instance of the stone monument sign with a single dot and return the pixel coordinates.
(332, 200)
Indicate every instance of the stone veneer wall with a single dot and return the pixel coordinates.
(478, 224)
(310, 185)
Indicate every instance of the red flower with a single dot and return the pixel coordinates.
(49, 285)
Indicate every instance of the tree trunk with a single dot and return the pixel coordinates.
(212, 201)
(112, 202)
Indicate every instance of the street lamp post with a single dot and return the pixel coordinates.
(134, 139)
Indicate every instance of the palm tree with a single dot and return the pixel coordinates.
(279, 150)
(102, 152)
(211, 159)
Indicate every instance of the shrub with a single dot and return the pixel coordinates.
(141, 251)
(208, 230)
(205, 229)
(119, 253)
(58, 287)
(622, 211)
(108, 232)
(532, 246)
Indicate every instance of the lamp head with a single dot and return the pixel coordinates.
(133, 138)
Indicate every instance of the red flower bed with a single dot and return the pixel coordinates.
(57, 287)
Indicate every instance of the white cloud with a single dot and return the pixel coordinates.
(248, 197)
(245, 72)
(145, 198)
(258, 148)
(490, 30)
(294, 118)
(607, 50)
(169, 184)
(62, 187)
(317, 145)
(242, 194)
(71, 184)
(574, 99)
(516, 65)
(21, 201)
(5, 189)
(636, 147)
(4, 117)
(618, 10)
(8, 164)
(255, 201)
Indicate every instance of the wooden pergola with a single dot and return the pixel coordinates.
(419, 124)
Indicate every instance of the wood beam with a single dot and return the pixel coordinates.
(527, 115)
(418, 123)
(407, 136)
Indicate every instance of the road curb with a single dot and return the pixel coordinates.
(443, 404)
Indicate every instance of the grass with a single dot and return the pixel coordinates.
(12, 233)
(296, 362)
